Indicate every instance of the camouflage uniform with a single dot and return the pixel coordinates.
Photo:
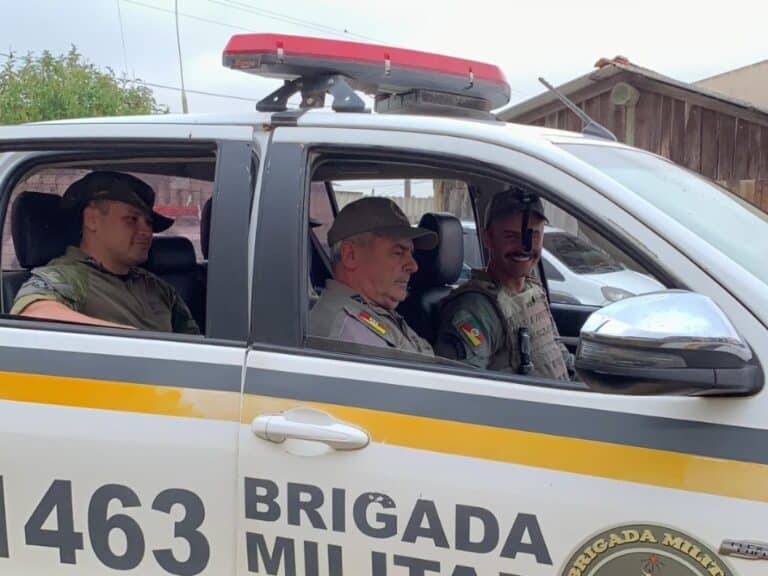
(139, 298)
(480, 322)
(342, 314)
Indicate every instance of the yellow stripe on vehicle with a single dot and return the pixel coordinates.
(589, 457)
(648, 466)
(122, 396)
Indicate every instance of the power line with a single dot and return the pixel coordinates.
(177, 89)
(201, 92)
(190, 16)
(249, 8)
(256, 11)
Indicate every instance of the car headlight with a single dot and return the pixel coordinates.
(613, 294)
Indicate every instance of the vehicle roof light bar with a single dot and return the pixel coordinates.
(402, 81)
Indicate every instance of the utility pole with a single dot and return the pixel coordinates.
(184, 106)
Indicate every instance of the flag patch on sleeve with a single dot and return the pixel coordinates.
(472, 334)
(372, 322)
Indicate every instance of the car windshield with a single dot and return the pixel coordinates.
(580, 256)
(716, 215)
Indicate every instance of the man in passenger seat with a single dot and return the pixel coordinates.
(372, 246)
(100, 282)
(500, 318)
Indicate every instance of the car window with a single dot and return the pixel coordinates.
(180, 198)
(35, 231)
(718, 216)
(590, 269)
(598, 272)
(580, 256)
(590, 272)
(321, 210)
(415, 197)
(473, 255)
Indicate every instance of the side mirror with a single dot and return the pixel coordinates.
(672, 342)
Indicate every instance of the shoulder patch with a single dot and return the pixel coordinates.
(471, 332)
(372, 322)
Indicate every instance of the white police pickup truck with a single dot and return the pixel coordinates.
(256, 449)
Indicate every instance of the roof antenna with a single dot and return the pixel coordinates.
(590, 126)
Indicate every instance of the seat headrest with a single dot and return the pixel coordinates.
(442, 265)
(171, 254)
(205, 227)
(38, 229)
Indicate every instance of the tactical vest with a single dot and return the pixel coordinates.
(527, 309)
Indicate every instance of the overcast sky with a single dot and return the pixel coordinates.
(560, 40)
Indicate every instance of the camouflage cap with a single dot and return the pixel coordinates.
(117, 186)
(381, 216)
(510, 201)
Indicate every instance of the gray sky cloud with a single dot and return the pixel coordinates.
(560, 40)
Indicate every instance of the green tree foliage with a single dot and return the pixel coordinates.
(48, 87)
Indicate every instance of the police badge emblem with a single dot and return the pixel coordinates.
(645, 550)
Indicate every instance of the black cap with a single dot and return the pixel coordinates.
(380, 215)
(510, 201)
(117, 186)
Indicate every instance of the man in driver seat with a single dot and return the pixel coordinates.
(500, 318)
(99, 282)
(372, 245)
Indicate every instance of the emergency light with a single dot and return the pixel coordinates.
(402, 81)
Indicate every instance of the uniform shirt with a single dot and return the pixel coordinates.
(139, 298)
(343, 314)
(479, 324)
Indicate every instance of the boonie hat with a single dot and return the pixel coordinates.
(382, 216)
(117, 186)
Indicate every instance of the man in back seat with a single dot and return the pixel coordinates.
(100, 282)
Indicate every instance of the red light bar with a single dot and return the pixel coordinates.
(371, 68)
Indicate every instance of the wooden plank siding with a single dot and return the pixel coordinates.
(709, 144)
(716, 139)
(762, 171)
(754, 151)
(726, 142)
(677, 147)
(741, 154)
(692, 157)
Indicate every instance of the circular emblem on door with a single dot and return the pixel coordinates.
(645, 550)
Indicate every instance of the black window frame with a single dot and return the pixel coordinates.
(281, 252)
(221, 302)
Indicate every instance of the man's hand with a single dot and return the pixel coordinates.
(52, 310)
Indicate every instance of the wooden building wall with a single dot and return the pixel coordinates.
(704, 134)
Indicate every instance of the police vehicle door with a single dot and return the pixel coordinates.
(117, 449)
(370, 465)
